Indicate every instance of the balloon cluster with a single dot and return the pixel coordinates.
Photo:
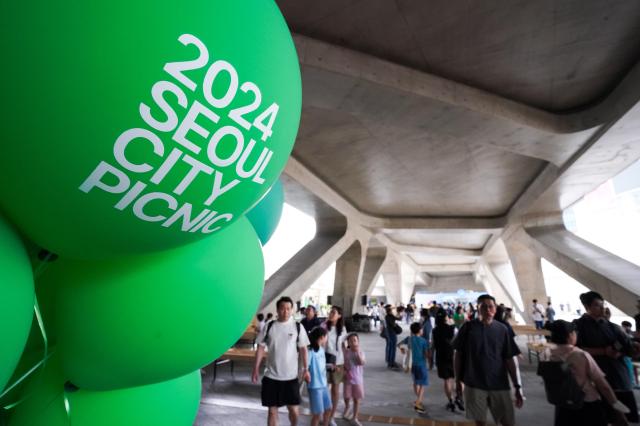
(137, 138)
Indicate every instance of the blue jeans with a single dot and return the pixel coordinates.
(539, 325)
(390, 353)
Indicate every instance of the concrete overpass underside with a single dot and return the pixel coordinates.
(444, 139)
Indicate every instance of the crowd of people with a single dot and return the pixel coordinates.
(473, 350)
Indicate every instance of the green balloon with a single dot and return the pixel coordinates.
(141, 126)
(266, 215)
(42, 399)
(134, 321)
(16, 300)
(171, 403)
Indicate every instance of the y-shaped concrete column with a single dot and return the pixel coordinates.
(615, 278)
(497, 288)
(391, 275)
(399, 279)
(372, 269)
(528, 270)
(407, 282)
(297, 275)
(348, 272)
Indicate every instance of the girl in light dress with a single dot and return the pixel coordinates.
(353, 380)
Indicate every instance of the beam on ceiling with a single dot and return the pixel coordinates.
(325, 56)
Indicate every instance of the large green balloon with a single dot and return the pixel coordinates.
(134, 321)
(16, 300)
(138, 126)
(171, 403)
(266, 215)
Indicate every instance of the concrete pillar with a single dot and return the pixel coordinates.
(498, 289)
(372, 269)
(615, 278)
(407, 282)
(528, 271)
(391, 275)
(348, 272)
(297, 275)
(399, 279)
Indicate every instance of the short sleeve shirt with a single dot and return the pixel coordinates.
(354, 370)
(334, 343)
(485, 350)
(310, 324)
(600, 333)
(282, 345)
(317, 369)
(583, 366)
(418, 347)
(537, 310)
(442, 337)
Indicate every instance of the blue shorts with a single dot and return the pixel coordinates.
(420, 375)
(319, 400)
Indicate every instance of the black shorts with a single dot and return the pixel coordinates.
(277, 393)
(445, 370)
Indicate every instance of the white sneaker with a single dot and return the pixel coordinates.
(347, 414)
(332, 422)
(356, 422)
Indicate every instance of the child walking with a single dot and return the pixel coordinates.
(319, 399)
(354, 381)
(419, 354)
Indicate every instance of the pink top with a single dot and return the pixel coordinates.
(584, 368)
(354, 366)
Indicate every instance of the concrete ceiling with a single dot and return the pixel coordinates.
(555, 55)
(459, 111)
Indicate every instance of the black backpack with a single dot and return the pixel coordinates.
(265, 340)
(560, 384)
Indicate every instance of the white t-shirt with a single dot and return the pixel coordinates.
(536, 312)
(282, 355)
(334, 349)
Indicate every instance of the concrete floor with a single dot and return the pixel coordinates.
(235, 400)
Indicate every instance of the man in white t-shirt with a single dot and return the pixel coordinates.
(286, 344)
(537, 313)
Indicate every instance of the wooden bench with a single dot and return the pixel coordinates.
(536, 349)
(248, 338)
(529, 331)
(231, 356)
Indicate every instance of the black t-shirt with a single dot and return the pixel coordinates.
(390, 323)
(485, 350)
(442, 338)
(309, 325)
(600, 333)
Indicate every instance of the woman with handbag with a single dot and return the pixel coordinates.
(393, 329)
(334, 355)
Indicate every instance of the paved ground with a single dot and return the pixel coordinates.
(231, 401)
